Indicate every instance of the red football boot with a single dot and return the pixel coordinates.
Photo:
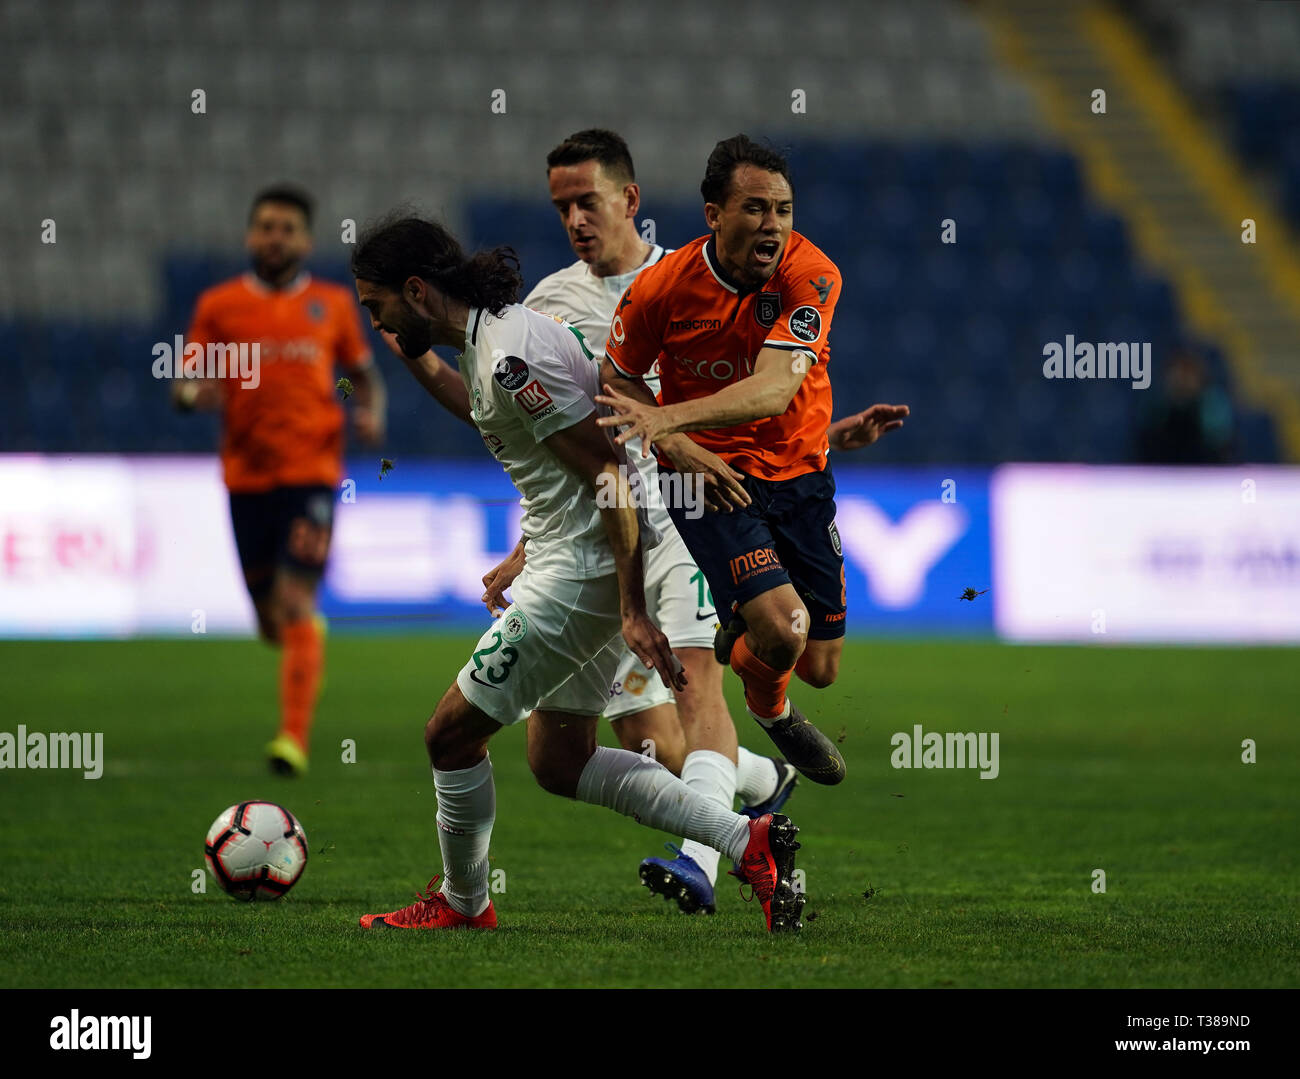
(768, 866)
(431, 911)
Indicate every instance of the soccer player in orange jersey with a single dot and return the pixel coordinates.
(282, 441)
(738, 323)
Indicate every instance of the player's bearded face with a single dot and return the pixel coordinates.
(278, 240)
(414, 331)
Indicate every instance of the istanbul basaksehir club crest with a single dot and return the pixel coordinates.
(767, 305)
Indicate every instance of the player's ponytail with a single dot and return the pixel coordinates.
(399, 247)
(487, 279)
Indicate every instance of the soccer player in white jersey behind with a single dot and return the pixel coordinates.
(593, 187)
(528, 383)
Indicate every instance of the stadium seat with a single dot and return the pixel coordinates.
(911, 121)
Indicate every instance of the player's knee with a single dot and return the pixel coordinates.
(781, 643)
(450, 746)
(293, 607)
(435, 739)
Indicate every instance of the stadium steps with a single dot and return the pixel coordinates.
(1155, 161)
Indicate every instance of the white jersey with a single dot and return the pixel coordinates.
(586, 301)
(528, 376)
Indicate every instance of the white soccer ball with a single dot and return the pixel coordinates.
(256, 850)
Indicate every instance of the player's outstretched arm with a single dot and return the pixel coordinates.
(864, 428)
(444, 384)
(584, 449)
(634, 388)
(723, 489)
(767, 392)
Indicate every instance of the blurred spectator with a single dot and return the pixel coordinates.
(1192, 421)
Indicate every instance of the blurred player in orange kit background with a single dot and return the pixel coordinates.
(282, 437)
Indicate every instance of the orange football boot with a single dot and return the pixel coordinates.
(431, 911)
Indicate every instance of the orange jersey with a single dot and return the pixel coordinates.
(287, 430)
(705, 332)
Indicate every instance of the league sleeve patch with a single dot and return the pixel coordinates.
(534, 398)
(511, 372)
(805, 324)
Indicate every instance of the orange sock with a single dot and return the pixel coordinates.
(764, 686)
(801, 668)
(301, 662)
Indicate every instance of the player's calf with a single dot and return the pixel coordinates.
(819, 665)
(701, 707)
(654, 732)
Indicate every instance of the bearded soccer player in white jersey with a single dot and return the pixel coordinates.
(528, 383)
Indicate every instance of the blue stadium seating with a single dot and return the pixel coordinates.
(956, 330)
(1266, 123)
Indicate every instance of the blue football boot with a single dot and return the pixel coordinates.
(681, 879)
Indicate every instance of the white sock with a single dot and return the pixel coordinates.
(646, 791)
(467, 806)
(756, 777)
(714, 776)
(767, 721)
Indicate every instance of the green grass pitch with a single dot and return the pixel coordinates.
(1126, 760)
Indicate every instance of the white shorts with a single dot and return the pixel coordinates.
(679, 602)
(549, 649)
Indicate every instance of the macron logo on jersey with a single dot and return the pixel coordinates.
(680, 324)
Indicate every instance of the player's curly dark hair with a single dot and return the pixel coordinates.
(400, 246)
(738, 150)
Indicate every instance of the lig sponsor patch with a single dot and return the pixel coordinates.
(805, 324)
(511, 372)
